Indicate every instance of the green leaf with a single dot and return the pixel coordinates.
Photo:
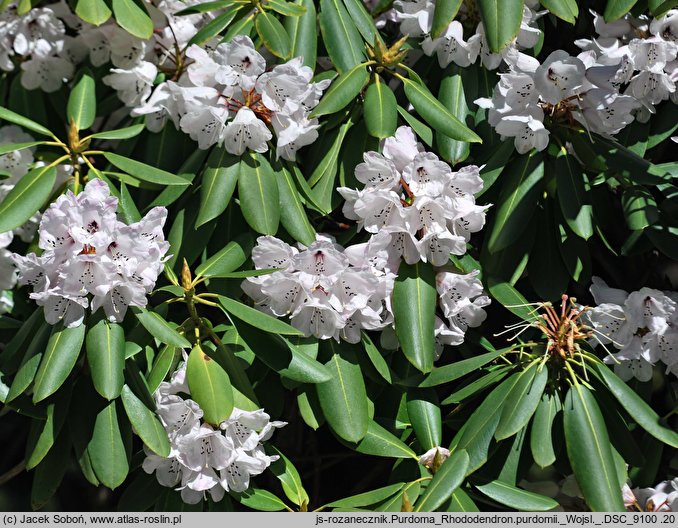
(215, 26)
(452, 96)
(105, 346)
(458, 369)
(633, 404)
(159, 328)
(93, 11)
(106, 449)
(340, 35)
(29, 363)
(44, 433)
(368, 498)
(414, 305)
(501, 19)
(424, 413)
(566, 10)
(422, 130)
(517, 202)
(285, 8)
(615, 9)
(639, 207)
(574, 204)
(494, 376)
(161, 367)
(145, 423)
(82, 102)
(380, 109)
(363, 21)
(257, 318)
(343, 398)
(144, 172)
(660, 7)
(522, 401)
(516, 498)
(377, 360)
(210, 387)
(541, 438)
(461, 502)
(50, 472)
(292, 214)
(13, 147)
(205, 7)
(258, 192)
(259, 499)
(273, 34)
(290, 479)
(448, 478)
(231, 257)
(511, 299)
(380, 442)
(303, 32)
(133, 18)
(443, 14)
(7, 115)
(435, 114)
(342, 91)
(25, 199)
(590, 452)
(218, 183)
(120, 133)
(60, 356)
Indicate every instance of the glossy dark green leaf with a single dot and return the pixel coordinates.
(546, 269)
(93, 11)
(590, 452)
(29, 363)
(501, 19)
(522, 401)
(58, 361)
(82, 102)
(273, 34)
(303, 32)
(159, 328)
(133, 17)
(363, 21)
(210, 387)
(380, 109)
(13, 147)
(380, 442)
(215, 26)
(26, 197)
(290, 479)
(106, 449)
(414, 305)
(452, 96)
(425, 416)
(257, 318)
(259, 499)
(566, 10)
(639, 207)
(227, 259)
(615, 9)
(660, 7)
(574, 203)
(143, 171)
(342, 91)
(458, 369)
(292, 214)
(377, 360)
(258, 193)
(340, 35)
(511, 299)
(44, 433)
(448, 478)
(12, 117)
(541, 438)
(492, 378)
(145, 423)
(50, 472)
(368, 498)
(218, 183)
(105, 345)
(161, 367)
(516, 498)
(120, 133)
(423, 131)
(283, 7)
(443, 14)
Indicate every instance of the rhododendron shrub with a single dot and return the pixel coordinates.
(295, 255)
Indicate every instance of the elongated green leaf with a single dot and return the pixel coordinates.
(368, 498)
(517, 201)
(144, 172)
(380, 442)
(343, 398)
(26, 197)
(292, 214)
(436, 115)
(218, 183)
(443, 14)
(93, 11)
(259, 499)
(44, 433)
(640, 411)
(426, 418)
(50, 472)
(511, 299)
(461, 502)
(257, 318)
(290, 479)
(133, 17)
(205, 7)
(106, 449)
(145, 423)
(13, 147)
(60, 356)
(273, 34)
(342, 91)
(285, 8)
(639, 207)
(615, 9)
(495, 376)
(380, 109)
(215, 26)
(231, 257)
(161, 366)
(452, 96)
(541, 440)
(82, 102)
(516, 498)
(29, 363)
(501, 19)
(522, 401)
(590, 452)
(12, 117)
(303, 32)
(105, 346)
(120, 133)
(377, 360)
(363, 21)
(414, 305)
(422, 130)
(258, 192)
(342, 39)
(159, 328)
(458, 369)
(566, 10)
(576, 207)
(210, 387)
(447, 479)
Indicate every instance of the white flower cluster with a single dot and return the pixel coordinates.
(203, 459)
(227, 97)
(643, 325)
(416, 20)
(87, 251)
(639, 53)
(662, 498)
(428, 210)
(328, 291)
